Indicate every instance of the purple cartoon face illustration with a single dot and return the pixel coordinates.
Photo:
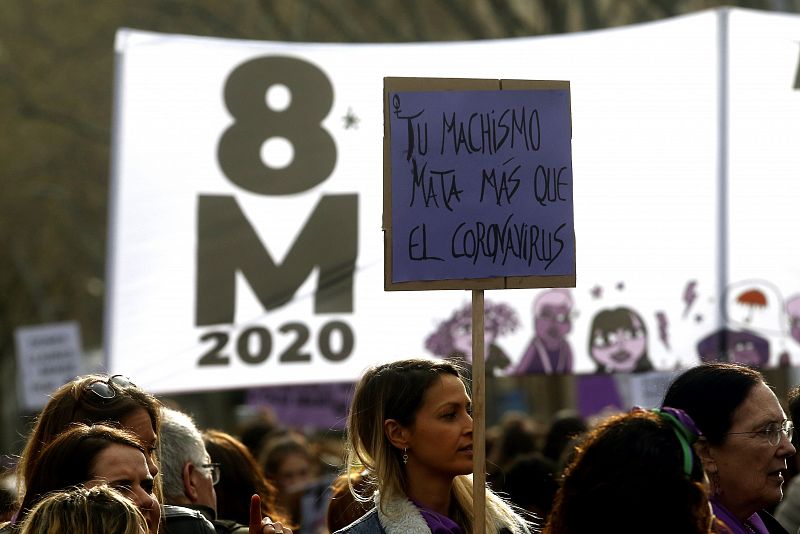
(618, 341)
(453, 337)
(552, 324)
(794, 325)
(725, 345)
(746, 353)
(461, 334)
(793, 311)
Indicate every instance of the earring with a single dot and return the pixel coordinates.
(405, 455)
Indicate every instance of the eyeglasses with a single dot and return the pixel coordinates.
(215, 471)
(106, 390)
(774, 432)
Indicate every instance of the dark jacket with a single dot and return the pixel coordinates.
(182, 520)
(221, 526)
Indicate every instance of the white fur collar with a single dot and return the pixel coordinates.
(400, 516)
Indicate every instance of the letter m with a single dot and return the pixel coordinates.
(227, 244)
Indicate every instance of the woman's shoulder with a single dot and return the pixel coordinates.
(366, 524)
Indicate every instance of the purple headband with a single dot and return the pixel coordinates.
(685, 420)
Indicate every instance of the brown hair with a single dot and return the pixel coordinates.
(74, 403)
(69, 459)
(396, 391)
(240, 477)
(630, 470)
(99, 510)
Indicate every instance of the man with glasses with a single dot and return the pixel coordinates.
(189, 475)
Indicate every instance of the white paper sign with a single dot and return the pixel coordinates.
(48, 356)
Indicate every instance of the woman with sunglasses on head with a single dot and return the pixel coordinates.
(95, 399)
(746, 441)
(91, 456)
(634, 473)
(410, 426)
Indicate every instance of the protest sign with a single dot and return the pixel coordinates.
(479, 183)
(48, 356)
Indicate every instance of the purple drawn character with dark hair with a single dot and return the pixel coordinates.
(549, 351)
(618, 342)
(793, 311)
(739, 346)
(452, 339)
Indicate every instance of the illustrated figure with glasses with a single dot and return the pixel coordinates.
(189, 478)
(549, 351)
(92, 456)
(746, 441)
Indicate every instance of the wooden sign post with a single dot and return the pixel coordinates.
(477, 194)
(478, 413)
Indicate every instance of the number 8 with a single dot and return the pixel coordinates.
(239, 149)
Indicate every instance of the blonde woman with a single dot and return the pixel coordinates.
(98, 510)
(410, 426)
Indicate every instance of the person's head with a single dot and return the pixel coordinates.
(97, 510)
(186, 467)
(794, 407)
(531, 483)
(551, 316)
(639, 471)
(343, 507)
(408, 415)
(289, 462)
(517, 436)
(95, 399)
(745, 440)
(618, 341)
(566, 425)
(240, 478)
(91, 456)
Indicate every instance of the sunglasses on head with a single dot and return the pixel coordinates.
(104, 391)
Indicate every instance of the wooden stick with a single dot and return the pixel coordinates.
(478, 415)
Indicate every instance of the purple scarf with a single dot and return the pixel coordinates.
(754, 524)
(438, 523)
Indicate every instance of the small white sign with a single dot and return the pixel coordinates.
(48, 356)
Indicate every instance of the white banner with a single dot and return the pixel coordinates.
(245, 239)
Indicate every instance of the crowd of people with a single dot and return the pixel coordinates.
(106, 456)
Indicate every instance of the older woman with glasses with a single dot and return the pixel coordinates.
(746, 441)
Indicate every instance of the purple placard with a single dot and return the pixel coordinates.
(320, 406)
(481, 184)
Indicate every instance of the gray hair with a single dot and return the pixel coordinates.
(181, 442)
